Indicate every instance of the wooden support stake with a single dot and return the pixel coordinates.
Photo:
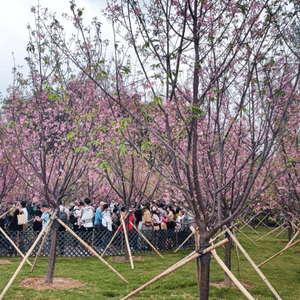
(197, 247)
(271, 232)
(112, 239)
(141, 234)
(232, 277)
(127, 243)
(15, 246)
(254, 266)
(292, 240)
(237, 251)
(284, 229)
(294, 225)
(280, 252)
(174, 268)
(185, 258)
(241, 232)
(266, 226)
(6, 212)
(184, 242)
(41, 246)
(246, 223)
(90, 249)
(22, 262)
(222, 233)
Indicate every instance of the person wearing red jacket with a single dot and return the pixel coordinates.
(132, 233)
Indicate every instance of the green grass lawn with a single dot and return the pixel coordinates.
(101, 283)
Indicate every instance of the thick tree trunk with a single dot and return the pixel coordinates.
(51, 263)
(204, 282)
(227, 261)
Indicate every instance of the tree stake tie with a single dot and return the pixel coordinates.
(205, 257)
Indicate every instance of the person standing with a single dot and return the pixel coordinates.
(37, 226)
(170, 217)
(45, 217)
(147, 222)
(87, 216)
(14, 222)
(156, 226)
(30, 209)
(115, 218)
(25, 212)
(107, 224)
(179, 220)
(77, 213)
(138, 216)
(63, 216)
(98, 217)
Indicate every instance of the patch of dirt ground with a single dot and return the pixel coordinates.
(38, 283)
(122, 258)
(5, 261)
(221, 284)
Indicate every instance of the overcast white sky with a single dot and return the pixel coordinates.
(15, 17)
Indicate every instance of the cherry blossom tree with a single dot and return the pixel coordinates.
(216, 79)
(48, 121)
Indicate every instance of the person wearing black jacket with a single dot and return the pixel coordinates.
(37, 213)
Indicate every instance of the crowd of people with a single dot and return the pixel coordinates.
(156, 220)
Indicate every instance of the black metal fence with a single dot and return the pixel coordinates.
(68, 245)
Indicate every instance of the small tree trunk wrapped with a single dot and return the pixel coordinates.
(51, 264)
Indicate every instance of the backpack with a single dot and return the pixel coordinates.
(63, 216)
(87, 214)
(72, 219)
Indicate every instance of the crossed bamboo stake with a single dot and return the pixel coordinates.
(47, 227)
(254, 265)
(185, 241)
(14, 245)
(175, 267)
(242, 233)
(261, 221)
(89, 248)
(23, 261)
(247, 223)
(6, 212)
(42, 244)
(282, 231)
(127, 242)
(195, 255)
(271, 231)
(288, 246)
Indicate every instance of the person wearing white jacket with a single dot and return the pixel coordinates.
(106, 217)
(107, 223)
